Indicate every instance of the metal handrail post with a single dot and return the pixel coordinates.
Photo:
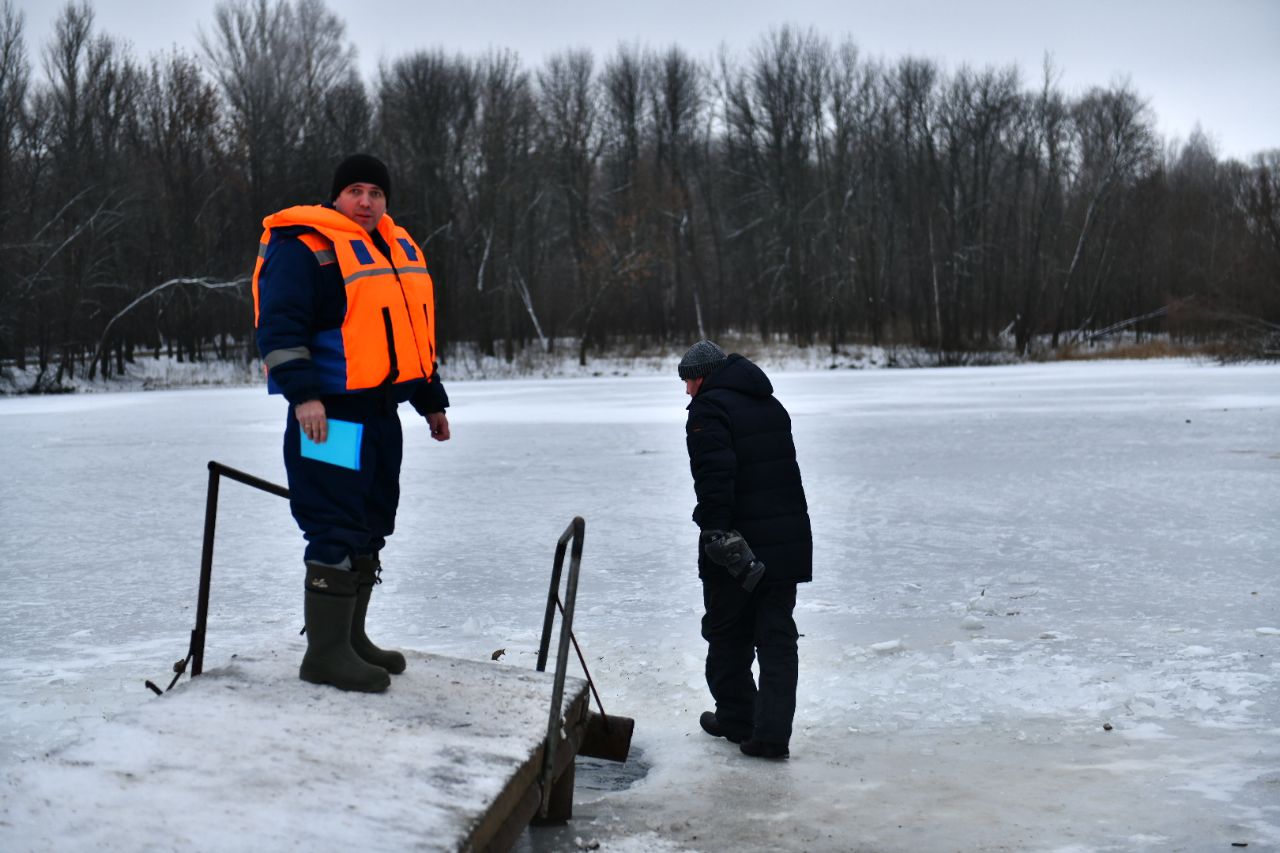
(544, 644)
(576, 530)
(216, 470)
(206, 573)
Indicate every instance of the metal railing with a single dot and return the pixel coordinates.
(617, 727)
(575, 531)
(216, 470)
(195, 651)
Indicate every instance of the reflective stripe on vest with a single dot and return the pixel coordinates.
(388, 333)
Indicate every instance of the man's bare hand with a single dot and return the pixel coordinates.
(312, 419)
(439, 423)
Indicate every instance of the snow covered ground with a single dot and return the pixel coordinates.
(1008, 560)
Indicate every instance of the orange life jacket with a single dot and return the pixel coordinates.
(388, 333)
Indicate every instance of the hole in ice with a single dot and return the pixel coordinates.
(596, 774)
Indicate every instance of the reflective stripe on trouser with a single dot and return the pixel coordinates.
(344, 513)
(738, 627)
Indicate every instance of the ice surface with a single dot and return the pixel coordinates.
(1118, 518)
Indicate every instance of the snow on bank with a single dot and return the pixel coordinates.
(1111, 526)
(143, 374)
(467, 362)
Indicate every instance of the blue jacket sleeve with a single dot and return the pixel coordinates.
(714, 464)
(429, 397)
(288, 289)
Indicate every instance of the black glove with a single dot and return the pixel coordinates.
(729, 549)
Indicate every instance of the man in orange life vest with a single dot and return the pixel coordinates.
(345, 316)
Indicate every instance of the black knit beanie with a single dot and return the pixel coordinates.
(703, 359)
(361, 169)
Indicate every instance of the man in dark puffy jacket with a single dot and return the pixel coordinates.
(755, 545)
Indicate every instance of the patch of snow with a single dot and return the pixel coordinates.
(984, 604)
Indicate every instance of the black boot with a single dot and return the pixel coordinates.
(711, 725)
(367, 570)
(328, 608)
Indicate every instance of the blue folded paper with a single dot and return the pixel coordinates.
(342, 448)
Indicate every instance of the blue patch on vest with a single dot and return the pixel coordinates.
(328, 354)
(408, 248)
(362, 252)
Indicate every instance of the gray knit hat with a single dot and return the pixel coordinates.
(703, 359)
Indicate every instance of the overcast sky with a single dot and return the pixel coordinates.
(1216, 62)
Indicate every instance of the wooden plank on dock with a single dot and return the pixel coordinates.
(247, 756)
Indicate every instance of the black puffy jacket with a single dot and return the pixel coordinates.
(745, 473)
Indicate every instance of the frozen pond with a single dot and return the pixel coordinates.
(1006, 560)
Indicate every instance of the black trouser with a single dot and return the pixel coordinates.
(739, 626)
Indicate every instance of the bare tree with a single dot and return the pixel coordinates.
(570, 135)
(771, 125)
(1260, 199)
(915, 176)
(679, 105)
(1115, 143)
(14, 78)
(279, 65)
(177, 136)
(843, 112)
(623, 82)
(506, 190)
(348, 115)
(802, 192)
(427, 107)
(326, 67)
(89, 104)
(1041, 188)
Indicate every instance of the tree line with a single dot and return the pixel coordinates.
(799, 191)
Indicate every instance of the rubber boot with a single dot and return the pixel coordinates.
(328, 608)
(367, 571)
